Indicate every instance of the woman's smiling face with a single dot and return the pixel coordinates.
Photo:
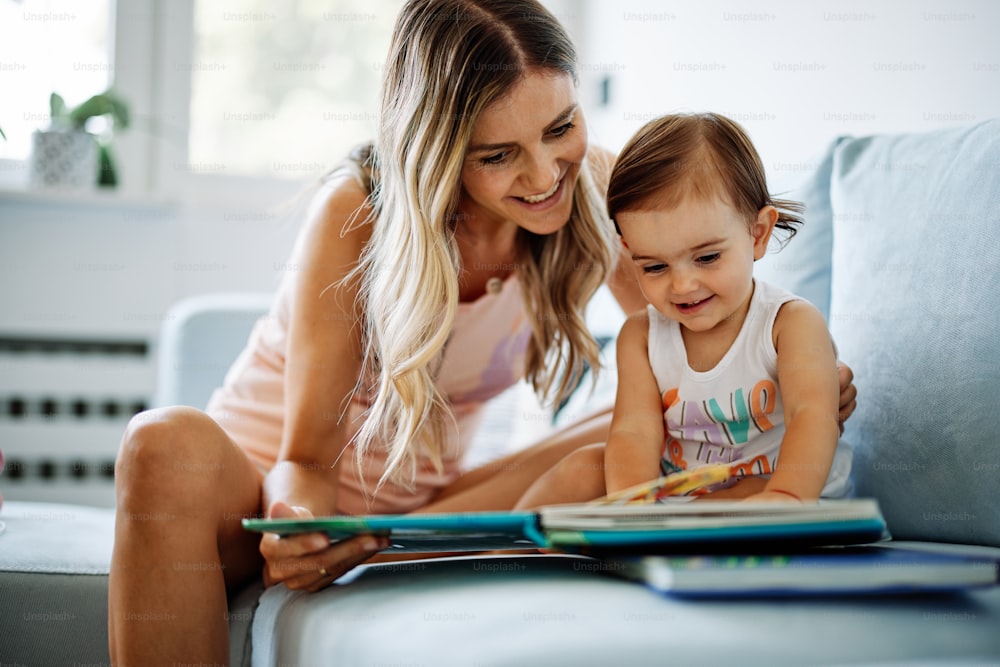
(525, 154)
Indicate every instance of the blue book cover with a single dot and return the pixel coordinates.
(882, 569)
(420, 533)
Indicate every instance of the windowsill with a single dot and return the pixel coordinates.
(199, 192)
(30, 196)
(15, 189)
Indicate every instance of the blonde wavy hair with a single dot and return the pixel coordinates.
(448, 61)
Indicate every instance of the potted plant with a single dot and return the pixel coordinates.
(66, 154)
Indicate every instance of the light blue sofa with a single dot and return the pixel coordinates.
(901, 250)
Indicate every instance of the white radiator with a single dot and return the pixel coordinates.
(64, 404)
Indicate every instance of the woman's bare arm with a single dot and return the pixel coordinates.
(324, 348)
(322, 366)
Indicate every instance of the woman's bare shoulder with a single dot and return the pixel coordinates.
(340, 209)
(341, 198)
(336, 226)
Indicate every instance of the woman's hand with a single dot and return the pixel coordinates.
(848, 393)
(309, 561)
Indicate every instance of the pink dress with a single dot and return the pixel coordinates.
(484, 356)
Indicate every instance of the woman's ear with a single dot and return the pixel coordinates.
(761, 229)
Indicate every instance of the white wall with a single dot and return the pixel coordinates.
(795, 74)
(96, 269)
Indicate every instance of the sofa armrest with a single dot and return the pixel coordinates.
(200, 339)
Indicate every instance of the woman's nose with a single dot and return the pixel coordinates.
(542, 174)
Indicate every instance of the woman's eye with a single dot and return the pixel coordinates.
(708, 259)
(563, 129)
(496, 158)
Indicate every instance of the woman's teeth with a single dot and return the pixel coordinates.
(535, 199)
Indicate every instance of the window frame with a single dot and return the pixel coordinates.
(156, 37)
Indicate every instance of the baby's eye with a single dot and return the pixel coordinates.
(654, 268)
(708, 259)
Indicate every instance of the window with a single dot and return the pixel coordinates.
(284, 89)
(48, 46)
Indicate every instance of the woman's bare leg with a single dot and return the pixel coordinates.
(499, 485)
(578, 478)
(182, 487)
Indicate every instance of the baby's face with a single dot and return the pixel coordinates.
(695, 260)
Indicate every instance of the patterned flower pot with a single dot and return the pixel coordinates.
(63, 159)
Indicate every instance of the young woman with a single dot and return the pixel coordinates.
(454, 258)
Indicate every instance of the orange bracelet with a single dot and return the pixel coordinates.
(787, 493)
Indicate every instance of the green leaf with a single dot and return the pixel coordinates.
(57, 106)
(106, 103)
(120, 113)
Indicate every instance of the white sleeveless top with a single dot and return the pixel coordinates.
(732, 413)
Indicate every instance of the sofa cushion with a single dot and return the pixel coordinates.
(564, 610)
(803, 266)
(915, 313)
(54, 564)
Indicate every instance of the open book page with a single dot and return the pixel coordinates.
(715, 514)
(716, 526)
(675, 485)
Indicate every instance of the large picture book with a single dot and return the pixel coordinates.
(745, 527)
(670, 527)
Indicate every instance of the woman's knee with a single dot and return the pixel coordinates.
(167, 446)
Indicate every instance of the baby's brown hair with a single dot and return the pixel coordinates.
(700, 155)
